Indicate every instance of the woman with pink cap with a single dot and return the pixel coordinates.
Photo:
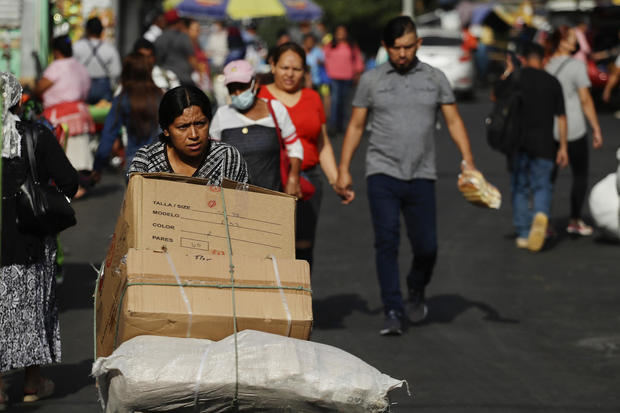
(251, 125)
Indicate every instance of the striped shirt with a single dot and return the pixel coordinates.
(222, 161)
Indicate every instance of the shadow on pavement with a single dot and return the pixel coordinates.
(446, 308)
(330, 312)
(76, 290)
(68, 378)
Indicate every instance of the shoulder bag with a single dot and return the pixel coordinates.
(41, 208)
(307, 188)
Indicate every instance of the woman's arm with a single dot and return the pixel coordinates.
(111, 130)
(326, 156)
(588, 109)
(42, 85)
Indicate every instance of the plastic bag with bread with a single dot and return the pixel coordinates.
(477, 190)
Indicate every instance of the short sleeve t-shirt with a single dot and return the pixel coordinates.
(573, 76)
(308, 116)
(542, 102)
(70, 79)
(403, 111)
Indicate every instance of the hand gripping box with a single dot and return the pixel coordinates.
(190, 294)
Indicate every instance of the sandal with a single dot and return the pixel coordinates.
(46, 389)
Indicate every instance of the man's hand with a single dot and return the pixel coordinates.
(597, 139)
(344, 187)
(562, 157)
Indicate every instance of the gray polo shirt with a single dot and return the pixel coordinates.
(403, 113)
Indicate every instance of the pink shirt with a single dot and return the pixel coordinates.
(70, 79)
(342, 62)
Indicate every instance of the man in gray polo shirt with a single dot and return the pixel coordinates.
(404, 96)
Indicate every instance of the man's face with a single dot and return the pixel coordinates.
(402, 52)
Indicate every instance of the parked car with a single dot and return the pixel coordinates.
(444, 50)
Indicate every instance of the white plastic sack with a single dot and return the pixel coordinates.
(276, 373)
(605, 205)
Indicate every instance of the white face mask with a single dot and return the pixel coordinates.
(244, 100)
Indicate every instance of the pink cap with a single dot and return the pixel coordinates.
(238, 71)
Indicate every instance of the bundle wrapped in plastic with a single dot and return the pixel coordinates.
(604, 203)
(477, 190)
(261, 372)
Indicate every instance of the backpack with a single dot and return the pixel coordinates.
(503, 123)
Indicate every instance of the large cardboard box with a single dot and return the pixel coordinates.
(166, 211)
(188, 294)
(167, 216)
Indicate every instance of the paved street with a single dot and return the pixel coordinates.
(509, 331)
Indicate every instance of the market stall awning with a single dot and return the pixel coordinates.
(215, 9)
(301, 10)
(250, 9)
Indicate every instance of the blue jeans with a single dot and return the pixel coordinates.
(389, 196)
(340, 91)
(100, 88)
(531, 177)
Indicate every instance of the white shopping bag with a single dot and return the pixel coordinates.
(605, 205)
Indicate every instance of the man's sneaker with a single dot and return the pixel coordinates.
(521, 242)
(579, 228)
(392, 326)
(416, 308)
(538, 231)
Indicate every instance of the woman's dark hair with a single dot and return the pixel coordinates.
(397, 27)
(553, 41)
(143, 94)
(289, 46)
(142, 43)
(63, 45)
(176, 100)
(334, 42)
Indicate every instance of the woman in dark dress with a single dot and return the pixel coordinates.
(29, 329)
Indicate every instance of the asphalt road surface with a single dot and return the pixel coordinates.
(508, 330)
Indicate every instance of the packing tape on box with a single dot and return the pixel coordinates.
(289, 319)
(183, 295)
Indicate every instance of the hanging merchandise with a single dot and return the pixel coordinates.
(10, 36)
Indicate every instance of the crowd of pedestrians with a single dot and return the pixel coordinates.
(287, 100)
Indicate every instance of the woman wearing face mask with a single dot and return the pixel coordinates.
(248, 125)
(184, 147)
(573, 77)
